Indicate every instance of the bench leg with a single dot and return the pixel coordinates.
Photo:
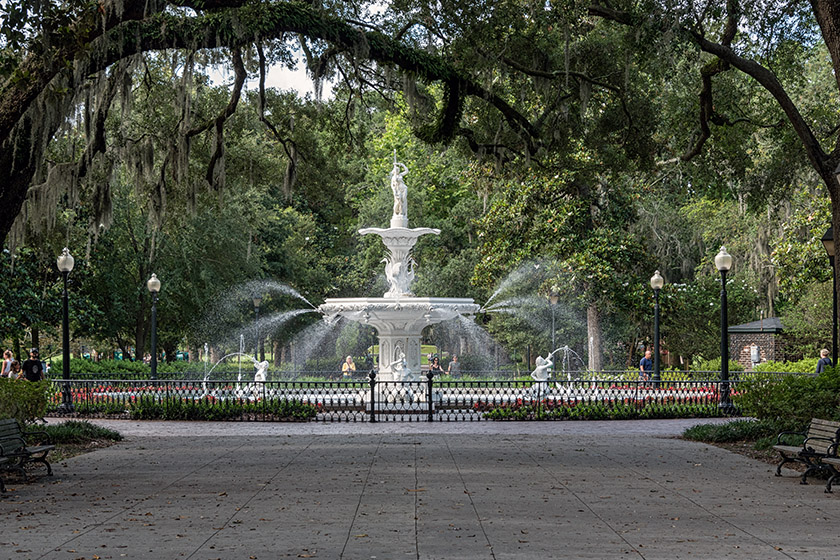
(834, 474)
(785, 459)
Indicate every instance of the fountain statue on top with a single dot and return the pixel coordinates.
(398, 239)
(399, 316)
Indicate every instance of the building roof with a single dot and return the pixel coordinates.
(768, 325)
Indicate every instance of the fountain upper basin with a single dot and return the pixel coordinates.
(403, 314)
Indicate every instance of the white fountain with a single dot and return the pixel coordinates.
(399, 317)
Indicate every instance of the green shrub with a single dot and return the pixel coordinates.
(793, 399)
(23, 400)
(79, 432)
(597, 411)
(808, 365)
(737, 430)
(713, 366)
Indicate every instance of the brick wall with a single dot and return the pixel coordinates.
(769, 344)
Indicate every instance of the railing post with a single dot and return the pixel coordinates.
(372, 376)
(430, 376)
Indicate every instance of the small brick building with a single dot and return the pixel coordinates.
(764, 334)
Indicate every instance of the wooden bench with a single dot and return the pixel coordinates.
(17, 448)
(820, 441)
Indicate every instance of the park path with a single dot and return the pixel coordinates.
(424, 491)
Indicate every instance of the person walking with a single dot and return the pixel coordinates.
(32, 368)
(824, 361)
(645, 367)
(435, 368)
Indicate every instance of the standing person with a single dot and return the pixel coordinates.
(32, 368)
(824, 362)
(7, 363)
(348, 368)
(14, 372)
(454, 368)
(645, 367)
(435, 368)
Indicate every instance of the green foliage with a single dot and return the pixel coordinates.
(152, 408)
(598, 411)
(737, 430)
(79, 432)
(807, 365)
(714, 365)
(807, 318)
(791, 398)
(23, 400)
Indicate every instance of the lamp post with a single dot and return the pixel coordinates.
(154, 288)
(656, 282)
(257, 299)
(65, 264)
(723, 262)
(828, 243)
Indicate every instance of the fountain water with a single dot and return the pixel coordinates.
(399, 317)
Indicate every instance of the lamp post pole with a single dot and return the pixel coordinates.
(656, 282)
(154, 288)
(65, 264)
(828, 243)
(257, 299)
(553, 298)
(723, 262)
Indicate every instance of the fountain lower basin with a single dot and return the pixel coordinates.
(399, 323)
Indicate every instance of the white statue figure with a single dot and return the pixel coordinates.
(260, 375)
(400, 369)
(398, 188)
(541, 372)
(401, 373)
(400, 275)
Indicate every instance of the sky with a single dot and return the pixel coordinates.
(278, 77)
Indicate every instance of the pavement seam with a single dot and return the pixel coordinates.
(642, 475)
(129, 507)
(580, 500)
(239, 509)
(469, 494)
(361, 497)
(703, 508)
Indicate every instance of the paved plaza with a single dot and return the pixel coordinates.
(484, 490)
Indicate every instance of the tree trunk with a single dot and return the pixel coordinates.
(593, 331)
(36, 338)
(277, 351)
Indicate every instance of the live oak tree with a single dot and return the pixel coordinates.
(59, 56)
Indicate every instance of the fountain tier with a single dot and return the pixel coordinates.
(399, 322)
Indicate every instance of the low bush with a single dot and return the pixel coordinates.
(808, 365)
(79, 432)
(791, 399)
(737, 430)
(527, 410)
(23, 400)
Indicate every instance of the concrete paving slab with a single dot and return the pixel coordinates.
(435, 491)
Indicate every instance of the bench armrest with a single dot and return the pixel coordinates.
(779, 438)
(824, 440)
(44, 439)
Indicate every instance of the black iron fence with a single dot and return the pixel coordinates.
(370, 399)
